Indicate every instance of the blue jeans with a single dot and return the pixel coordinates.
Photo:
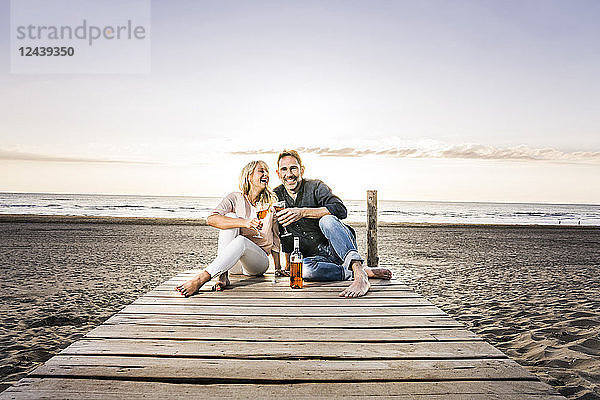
(335, 257)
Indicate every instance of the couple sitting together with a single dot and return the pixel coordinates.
(312, 214)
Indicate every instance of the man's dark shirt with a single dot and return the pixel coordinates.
(312, 194)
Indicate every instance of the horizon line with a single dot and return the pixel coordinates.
(394, 200)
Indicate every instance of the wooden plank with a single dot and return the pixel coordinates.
(285, 294)
(390, 321)
(358, 311)
(262, 282)
(284, 283)
(55, 388)
(291, 350)
(282, 334)
(391, 343)
(272, 280)
(268, 281)
(255, 371)
(224, 301)
(333, 290)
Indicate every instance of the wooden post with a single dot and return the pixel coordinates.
(372, 258)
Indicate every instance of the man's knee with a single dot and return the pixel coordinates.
(328, 222)
(308, 269)
(307, 274)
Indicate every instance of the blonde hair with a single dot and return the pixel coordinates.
(267, 195)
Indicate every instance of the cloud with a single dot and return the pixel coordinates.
(471, 151)
(391, 147)
(6, 155)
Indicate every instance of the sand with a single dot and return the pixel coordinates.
(534, 292)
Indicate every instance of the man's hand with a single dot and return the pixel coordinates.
(289, 215)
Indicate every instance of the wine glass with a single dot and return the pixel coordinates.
(261, 213)
(278, 206)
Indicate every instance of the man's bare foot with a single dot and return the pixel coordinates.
(222, 283)
(192, 286)
(361, 284)
(381, 273)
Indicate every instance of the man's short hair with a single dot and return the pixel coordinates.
(289, 153)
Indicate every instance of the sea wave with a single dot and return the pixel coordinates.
(389, 211)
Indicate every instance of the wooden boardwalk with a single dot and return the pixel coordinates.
(261, 339)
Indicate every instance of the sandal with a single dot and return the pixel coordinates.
(281, 272)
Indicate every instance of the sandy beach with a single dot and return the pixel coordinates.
(534, 292)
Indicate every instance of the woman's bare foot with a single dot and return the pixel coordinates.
(361, 284)
(282, 272)
(381, 273)
(222, 283)
(192, 286)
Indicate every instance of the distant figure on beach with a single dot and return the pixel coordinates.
(243, 237)
(313, 214)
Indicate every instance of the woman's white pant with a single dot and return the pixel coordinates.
(235, 249)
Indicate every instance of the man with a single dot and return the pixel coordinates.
(313, 214)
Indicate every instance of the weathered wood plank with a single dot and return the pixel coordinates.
(223, 301)
(55, 388)
(390, 321)
(267, 281)
(222, 344)
(285, 282)
(268, 287)
(282, 334)
(284, 294)
(292, 349)
(270, 279)
(222, 370)
(371, 311)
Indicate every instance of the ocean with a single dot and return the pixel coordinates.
(389, 211)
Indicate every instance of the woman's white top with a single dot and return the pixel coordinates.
(238, 204)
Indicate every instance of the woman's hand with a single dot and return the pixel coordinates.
(253, 223)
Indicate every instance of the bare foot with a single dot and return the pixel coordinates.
(222, 283)
(282, 272)
(192, 286)
(361, 284)
(381, 273)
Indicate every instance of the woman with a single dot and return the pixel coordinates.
(242, 237)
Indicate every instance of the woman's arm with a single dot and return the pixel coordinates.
(223, 222)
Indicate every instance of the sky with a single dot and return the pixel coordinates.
(422, 100)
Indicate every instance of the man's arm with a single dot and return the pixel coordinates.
(330, 205)
(327, 199)
(289, 215)
(315, 213)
